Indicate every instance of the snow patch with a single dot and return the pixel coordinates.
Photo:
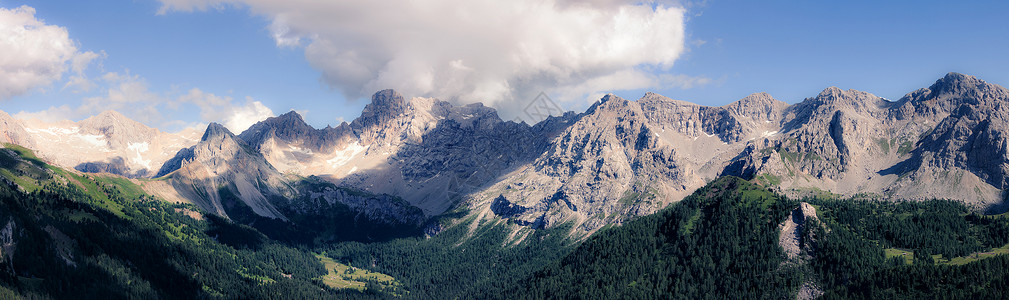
(93, 139)
(54, 130)
(299, 149)
(352, 170)
(341, 157)
(139, 147)
(138, 158)
(768, 133)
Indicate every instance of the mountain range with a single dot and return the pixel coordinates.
(408, 161)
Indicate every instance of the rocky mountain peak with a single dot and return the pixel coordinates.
(385, 105)
(831, 92)
(610, 101)
(758, 105)
(119, 131)
(287, 126)
(833, 98)
(948, 93)
(216, 130)
(290, 117)
(954, 81)
(955, 85)
(761, 98)
(110, 123)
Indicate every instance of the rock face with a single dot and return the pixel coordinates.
(945, 141)
(622, 159)
(225, 176)
(426, 151)
(792, 238)
(221, 170)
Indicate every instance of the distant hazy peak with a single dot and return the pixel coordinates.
(111, 118)
(110, 114)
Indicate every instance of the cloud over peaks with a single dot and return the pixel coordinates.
(499, 52)
(34, 53)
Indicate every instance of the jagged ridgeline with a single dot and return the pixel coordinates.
(616, 161)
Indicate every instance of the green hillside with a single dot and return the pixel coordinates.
(69, 236)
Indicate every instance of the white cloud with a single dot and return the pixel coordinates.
(499, 52)
(34, 53)
(52, 114)
(237, 117)
(79, 81)
(242, 117)
(128, 94)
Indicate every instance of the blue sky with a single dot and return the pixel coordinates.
(240, 54)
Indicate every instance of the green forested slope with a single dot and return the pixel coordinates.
(70, 236)
(719, 243)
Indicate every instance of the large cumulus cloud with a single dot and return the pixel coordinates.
(498, 52)
(34, 54)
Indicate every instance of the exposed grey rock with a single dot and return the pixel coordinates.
(220, 167)
(793, 239)
(428, 152)
(945, 141)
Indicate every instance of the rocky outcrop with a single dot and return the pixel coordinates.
(222, 175)
(798, 244)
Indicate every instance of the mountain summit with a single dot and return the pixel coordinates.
(221, 169)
